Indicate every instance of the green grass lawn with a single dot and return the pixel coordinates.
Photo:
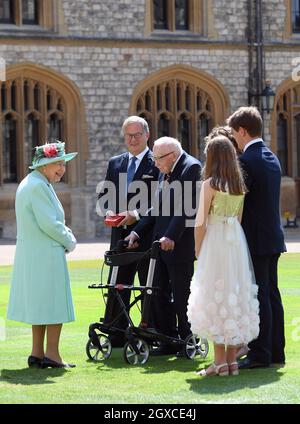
(164, 379)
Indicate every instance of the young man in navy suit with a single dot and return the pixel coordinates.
(262, 226)
(135, 167)
(170, 221)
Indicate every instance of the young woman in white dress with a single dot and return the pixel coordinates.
(223, 304)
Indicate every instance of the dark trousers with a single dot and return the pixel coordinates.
(269, 346)
(126, 276)
(169, 304)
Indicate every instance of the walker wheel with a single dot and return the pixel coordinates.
(196, 346)
(136, 352)
(96, 354)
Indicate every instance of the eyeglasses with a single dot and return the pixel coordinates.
(137, 136)
(158, 158)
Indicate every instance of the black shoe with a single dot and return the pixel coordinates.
(248, 363)
(33, 361)
(49, 363)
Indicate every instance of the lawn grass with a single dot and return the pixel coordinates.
(161, 380)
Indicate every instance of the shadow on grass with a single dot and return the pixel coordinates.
(27, 376)
(247, 379)
(154, 365)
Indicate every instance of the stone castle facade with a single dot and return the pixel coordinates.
(84, 66)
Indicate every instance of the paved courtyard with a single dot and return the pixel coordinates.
(94, 249)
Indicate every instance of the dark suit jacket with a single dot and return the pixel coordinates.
(174, 224)
(261, 216)
(119, 200)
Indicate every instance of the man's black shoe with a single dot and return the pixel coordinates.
(248, 363)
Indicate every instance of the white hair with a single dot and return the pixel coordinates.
(136, 120)
(169, 141)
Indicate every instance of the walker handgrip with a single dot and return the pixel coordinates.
(155, 249)
(121, 245)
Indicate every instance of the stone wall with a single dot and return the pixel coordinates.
(124, 19)
(106, 76)
(274, 15)
(105, 18)
(230, 19)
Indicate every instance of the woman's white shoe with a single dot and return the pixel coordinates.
(233, 368)
(213, 369)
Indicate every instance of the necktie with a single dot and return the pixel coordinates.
(167, 177)
(131, 170)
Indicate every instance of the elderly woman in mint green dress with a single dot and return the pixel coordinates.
(40, 291)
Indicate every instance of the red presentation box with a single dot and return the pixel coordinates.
(113, 220)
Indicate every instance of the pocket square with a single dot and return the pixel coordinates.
(144, 177)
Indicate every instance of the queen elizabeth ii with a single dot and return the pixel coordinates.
(40, 292)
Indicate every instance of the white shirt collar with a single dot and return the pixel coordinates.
(140, 155)
(255, 140)
(173, 167)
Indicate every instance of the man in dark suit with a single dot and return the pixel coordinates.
(127, 175)
(171, 221)
(262, 226)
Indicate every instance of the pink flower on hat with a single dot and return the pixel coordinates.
(50, 151)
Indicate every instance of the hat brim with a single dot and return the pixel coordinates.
(45, 161)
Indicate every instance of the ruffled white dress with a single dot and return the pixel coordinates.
(223, 305)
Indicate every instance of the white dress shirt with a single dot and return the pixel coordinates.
(255, 140)
(139, 158)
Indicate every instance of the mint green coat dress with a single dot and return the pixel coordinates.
(40, 291)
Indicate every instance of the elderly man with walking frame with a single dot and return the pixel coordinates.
(170, 222)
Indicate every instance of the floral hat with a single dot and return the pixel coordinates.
(49, 153)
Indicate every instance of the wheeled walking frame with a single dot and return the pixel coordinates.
(139, 338)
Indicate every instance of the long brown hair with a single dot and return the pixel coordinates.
(223, 167)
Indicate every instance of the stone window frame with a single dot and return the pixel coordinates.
(288, 25)
(287, 104)
(74, 128)
(46, 16)
(30, 101)
(184, 77)
(197, 19)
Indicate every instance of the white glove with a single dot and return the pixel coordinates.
(74, 241)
